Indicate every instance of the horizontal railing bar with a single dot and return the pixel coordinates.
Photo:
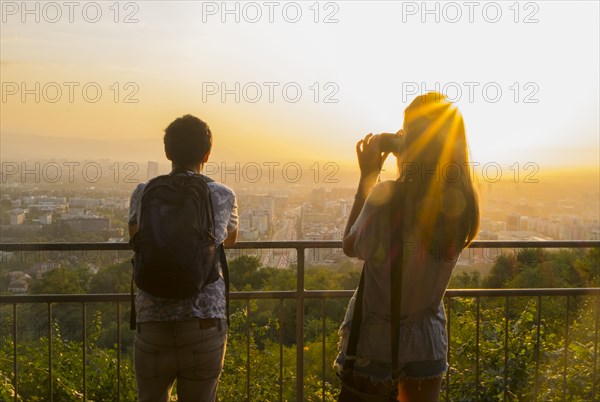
(291, 294)
(70, 298)
(297, 244)
(278, 294)
(308, 294)
(535, 244)
(523, 292)
(100, 246)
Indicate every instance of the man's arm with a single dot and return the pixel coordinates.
(231, 238)
(232, 225)
(133, 227)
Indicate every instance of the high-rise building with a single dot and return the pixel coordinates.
(523, 223)
(152, 171)
(260, 221)
(280, 204)
(343, 211)
(318, 198)
(512, 222)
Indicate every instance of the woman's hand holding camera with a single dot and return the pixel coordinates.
(371, 152)
(370, 156)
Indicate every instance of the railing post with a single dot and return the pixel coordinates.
(300, 324)
(324, 323)
(537, 348)
(595, 373)
(118, 351)
(566, 352)
(505, 348)
(477, 348)
(83, 349)
(248, 349)
(280, 350)
(448, 315)
(15, 366)
(50, 351)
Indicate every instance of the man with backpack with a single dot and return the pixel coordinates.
(178, 225)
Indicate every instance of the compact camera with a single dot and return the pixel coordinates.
(391, 142)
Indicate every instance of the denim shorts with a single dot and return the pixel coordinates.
(424, 370)
(381, 372)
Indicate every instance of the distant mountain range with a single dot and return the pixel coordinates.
(17, 147)
(30, 146)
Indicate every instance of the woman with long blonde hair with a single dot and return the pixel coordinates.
(410, 233)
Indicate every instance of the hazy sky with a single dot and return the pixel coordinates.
(525, 75)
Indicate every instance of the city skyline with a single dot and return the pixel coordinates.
(509, 211)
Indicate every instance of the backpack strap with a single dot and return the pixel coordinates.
(225, 270)
(396, 268)
(350, 357)
(132, 315)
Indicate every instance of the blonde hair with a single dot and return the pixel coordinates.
(441, 198)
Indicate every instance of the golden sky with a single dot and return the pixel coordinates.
(525, 76)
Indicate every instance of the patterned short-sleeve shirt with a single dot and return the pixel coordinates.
(208, 302)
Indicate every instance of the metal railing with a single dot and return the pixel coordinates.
(300, 294)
